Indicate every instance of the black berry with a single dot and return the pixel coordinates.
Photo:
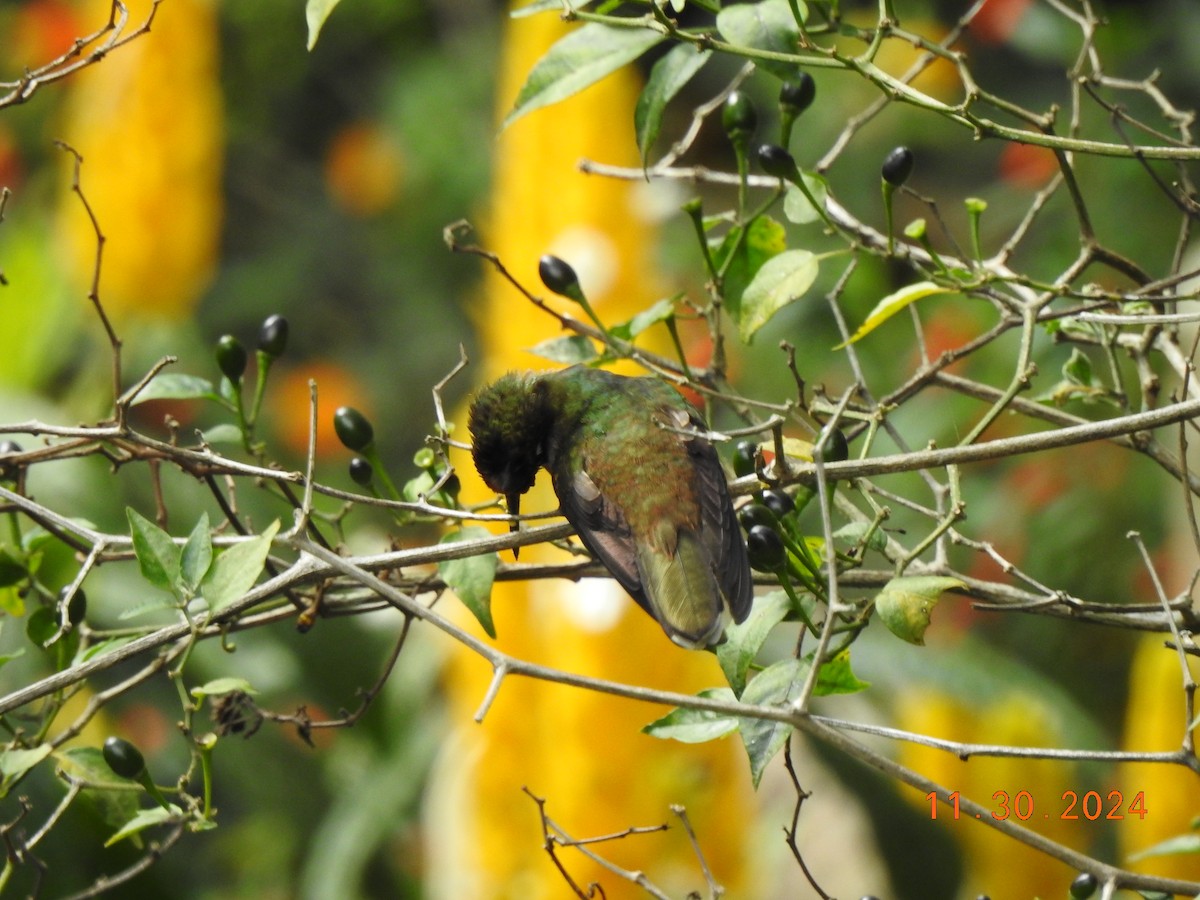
(744, 455)
(778, 502)
(797, 96)
(775, 160)
(353, 429)
(361, 471)
(1083, 886)
(273, 335)
(123, 758)
(558, 276)
(897, 166)
(765, 549)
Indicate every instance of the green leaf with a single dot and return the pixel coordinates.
(315, 13)
(9, 657)
(578, 60)
(157, 554)
(776, 685)
(852, 533)
(102, 647)
(225, 433)
(905, 603)
(742, 642)
(153, 604)
(236, 569)
(1078, 369)
(660, 312)
(768, 25)
(417, 487)
(796, 207)
(12, 568)
(669, 75)
(196, 556)
(87, 764)
(219, 687)
(173, 386)
(570, 350)
(471, 577)
(1183, 843)
(765, 238)
(41, 626)
(695, 726)
(892, 304)
(17, 762)
(109, 794)
(146, 818)
(836, 677)
(12, 601)
(779, 281)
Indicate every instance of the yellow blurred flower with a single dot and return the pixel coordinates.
(1032, 789)
(148, 123)
(1154, 721)
(582, 751)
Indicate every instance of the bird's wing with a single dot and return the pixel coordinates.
(719, 530)
(603, 530)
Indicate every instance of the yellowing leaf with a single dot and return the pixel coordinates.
(782, 279)
(315, 13)
(892, 304)
(905, 603)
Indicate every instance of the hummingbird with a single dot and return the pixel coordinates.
(635, 476)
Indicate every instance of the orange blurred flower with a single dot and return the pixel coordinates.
(364, 169)
(1027, 165)
(287, 404)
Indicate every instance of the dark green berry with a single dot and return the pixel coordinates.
(452, 486)
(778, 502)
(897, 166)
(756, 514)
(558, 276)
(77, 607)
(231, 358)
(361, 471)
(797, 96)
(745, 455)
(273, 335)
(739, 117)
(775, 160)
(353, 429)
(1083, 886)
(765, 549)
(123, 758)
(835, 448)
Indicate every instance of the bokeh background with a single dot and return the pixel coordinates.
(236, 175)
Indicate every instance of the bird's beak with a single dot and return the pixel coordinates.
(513, 502)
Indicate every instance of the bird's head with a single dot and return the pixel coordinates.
(510, 422)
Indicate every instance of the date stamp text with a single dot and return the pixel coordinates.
(1090, 806)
